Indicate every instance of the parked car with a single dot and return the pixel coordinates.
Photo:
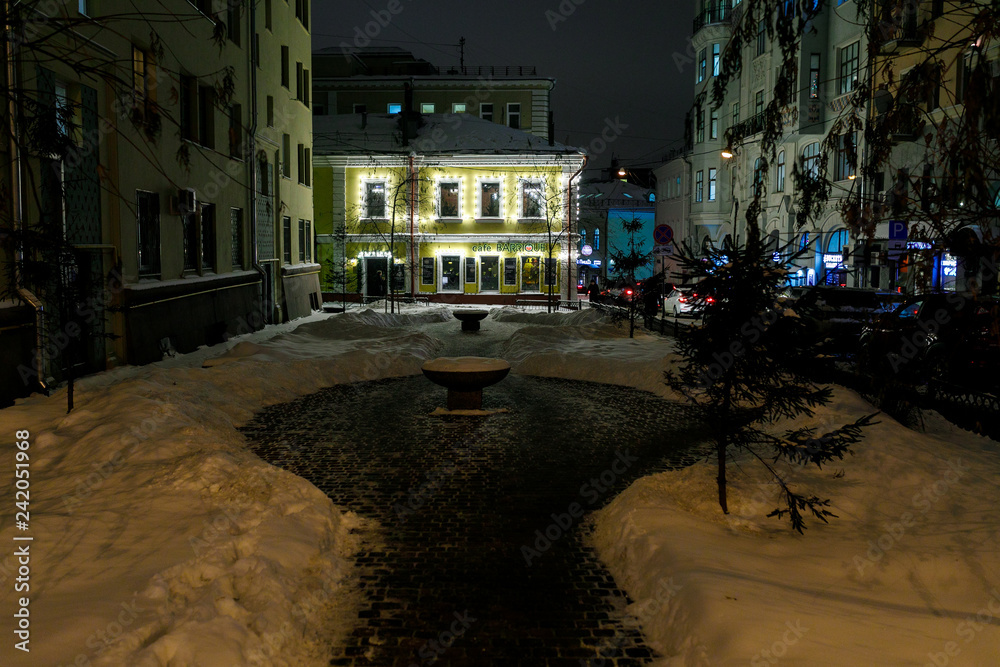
(952, 337)
(684, 300)
(829, 319)
(621, 293)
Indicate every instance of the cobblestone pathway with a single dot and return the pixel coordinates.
(460, 500)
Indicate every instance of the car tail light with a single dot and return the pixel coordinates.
(628, 292)
(709, 300)
(682, 299)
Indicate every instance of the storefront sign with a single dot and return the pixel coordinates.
(589, 262)
(509, 247)
(949, 266)
(833, 260)
(587, 251)
(374, 253)
(919, 245)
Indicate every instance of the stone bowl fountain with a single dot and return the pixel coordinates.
(465, 377)
(470, 318)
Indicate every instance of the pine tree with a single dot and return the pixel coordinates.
(735, 369)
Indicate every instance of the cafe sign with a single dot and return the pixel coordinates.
(508, 247)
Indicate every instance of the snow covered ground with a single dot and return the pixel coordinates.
(158, 537)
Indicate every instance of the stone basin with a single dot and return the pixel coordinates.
(465, 377)
(470, 318)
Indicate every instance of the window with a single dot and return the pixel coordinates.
(761, 37)
(514, 115)
(700, 123)
(256, 50)
(551, 271)
(470, 270)
(758, 176)
(489, 274)
(236, 131)
(758, 102)
(299, 81)
(84, 7)
(736, 113)
(814, 76)
(702, 65)
(810, 160)
(268, 23)
(286, 79)
(510, 271)
(699, 186)
(303, 164)
(270, 111)
(449, 199)
(597, 239)
(206, 116)
(309, 241)
(236, 229)
(529, 274)
(426, 270)
(713, 125)
(711, 183)
(360, 108)
(233, 27)
(207, 233)
(849, 61)
(143, 83)
(302, 241)
(375, 200)
(427, 107)
(779, 185)
(306, 87)
(532, 199)
(286, 240)
(486, 111)
(286, 155)
(302, 12)
(147, 220)
(189, 230)
(394, 107)
(716, 58)
(490, 204)
(846, 148)
(451, 276)
(188, 107)
(459, 107)
(583, 238)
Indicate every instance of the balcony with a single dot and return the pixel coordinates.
(899, 30)
(713, 11)
(749, 127)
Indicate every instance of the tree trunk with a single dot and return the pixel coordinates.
(721, 445)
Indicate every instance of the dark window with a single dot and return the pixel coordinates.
(233, 27)
(814, 76)
(189, 227)
(270, 111)
(267, 15)
(761, 37)
(514, 116)
(206, 116)
(299, 81)
(302, 241)
(236, 228)
(486, 111)
(147, 216)
(309, 241)
(846, 146)
(236, 131)
(849, 62)
(286, 80)
(286, 240)
(551, 270)
(207, 237)
(286, 155)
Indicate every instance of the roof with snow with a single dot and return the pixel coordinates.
(437, 134)
(614, 194)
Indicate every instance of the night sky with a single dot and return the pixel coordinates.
(627, 62)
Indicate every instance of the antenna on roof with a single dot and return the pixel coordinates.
(461, 54)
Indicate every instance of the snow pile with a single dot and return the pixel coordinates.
(159, 539)
(583, 317)
(909, 574)
(587, 347)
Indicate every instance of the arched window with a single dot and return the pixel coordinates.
(583, 237)
(597, 239)
(838, 239)
(804, 243)
(810, 160)
(779, 185)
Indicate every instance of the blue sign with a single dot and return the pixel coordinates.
(897, 230)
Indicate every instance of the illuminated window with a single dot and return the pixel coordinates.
(699, 186)
(394, 107)
(711, 184)
(458, 107)
(490, 204)
(374, 204)
(427, 107)
(448, 199)
(849, 63)
(532, 199)
(810, 160)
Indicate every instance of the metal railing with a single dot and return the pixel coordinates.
(713, 11)
(494, 70)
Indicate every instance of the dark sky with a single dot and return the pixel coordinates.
(616, 62)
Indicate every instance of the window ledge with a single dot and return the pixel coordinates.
(491, 220)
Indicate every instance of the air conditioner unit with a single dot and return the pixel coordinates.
(184, 202)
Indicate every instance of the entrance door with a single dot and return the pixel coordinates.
(451, 273)
(489, 274)
(376, 274)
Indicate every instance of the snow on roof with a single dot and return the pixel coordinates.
(438, 134)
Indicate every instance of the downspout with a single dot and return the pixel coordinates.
(252, 162)
(570, 260)
(413, 201)
(17, 191)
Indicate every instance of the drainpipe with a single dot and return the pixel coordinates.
(17, 192)
(413, 201)
(252, 162)
(570, 260)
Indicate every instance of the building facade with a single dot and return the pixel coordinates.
(139, 153)
(604, 205)
(374, 80)
(449, 207)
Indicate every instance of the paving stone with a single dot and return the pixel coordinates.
(458, 497)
